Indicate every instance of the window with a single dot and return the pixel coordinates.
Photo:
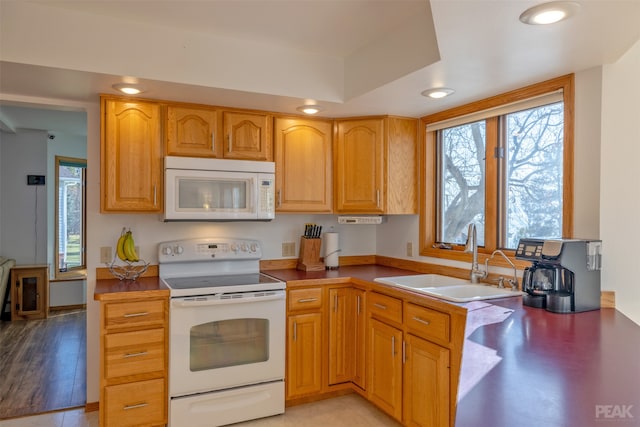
(504, 163)
(70, 216)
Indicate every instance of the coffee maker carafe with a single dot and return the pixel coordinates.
(564, 276)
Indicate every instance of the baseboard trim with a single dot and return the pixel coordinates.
(68, 307)
(91, 406)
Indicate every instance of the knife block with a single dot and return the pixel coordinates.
(309, 259)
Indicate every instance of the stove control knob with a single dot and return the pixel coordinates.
(254, 247)
(243, 247)
(179, 249)
(234, 247)
(166, 250)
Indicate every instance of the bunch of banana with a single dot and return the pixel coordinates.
(126, 247)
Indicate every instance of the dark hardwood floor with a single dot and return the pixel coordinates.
(43, 364)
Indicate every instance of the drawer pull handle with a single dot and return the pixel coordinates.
(308, 300)
(139, 405)
(424, 322)
(138, 354)
(142, 313)
(380, 306)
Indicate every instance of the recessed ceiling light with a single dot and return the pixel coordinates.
(549, 13)
(439, 92)
(309, 109)
(128, 88)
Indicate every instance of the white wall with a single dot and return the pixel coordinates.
(24, 207)
(620, 202)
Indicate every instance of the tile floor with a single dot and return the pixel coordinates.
(348, 411)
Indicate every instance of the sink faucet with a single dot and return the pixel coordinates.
(472, 247)
(514, 281)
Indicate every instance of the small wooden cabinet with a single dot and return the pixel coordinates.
(303, 165)
(304, 342)
(133, 362)
(29, 292)
(247, 136)
(192, 131)
(375, 163)
(130, 156)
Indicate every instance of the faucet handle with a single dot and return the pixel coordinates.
(500, 281)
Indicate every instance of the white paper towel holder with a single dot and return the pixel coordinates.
(327, 256)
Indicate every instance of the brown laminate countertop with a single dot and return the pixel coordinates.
(525, 366)
(143, 287)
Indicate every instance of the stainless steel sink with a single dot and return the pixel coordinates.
(448, 288)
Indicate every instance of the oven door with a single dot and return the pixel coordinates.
(221, 342)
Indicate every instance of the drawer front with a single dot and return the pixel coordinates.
(131, 353)
(385, 307)
(427, 323)
(304, 299)
(135, 314)
(135, 404)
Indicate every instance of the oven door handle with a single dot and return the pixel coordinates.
(210, 302)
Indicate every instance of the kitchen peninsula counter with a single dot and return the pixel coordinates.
(525, 366)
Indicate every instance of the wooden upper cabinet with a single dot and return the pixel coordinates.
(376, 166)
(248, 136)
(303, 165)
(359, 174)
(131, 156)
(192, 131)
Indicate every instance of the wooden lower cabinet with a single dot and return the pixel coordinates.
(402, 356)
(384, 386)
(304, 354)
(426, 383)
(359, 370)
(341, 335)
(139, 403)
(133, 362)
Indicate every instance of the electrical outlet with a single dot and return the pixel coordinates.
(409, 249)
(288, 249)
(106, 252)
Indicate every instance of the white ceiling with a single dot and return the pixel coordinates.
(481, 49)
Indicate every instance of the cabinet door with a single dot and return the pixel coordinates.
(29, 298)
(385, 368)
(131, 160)
(359, 162)
(248, 136)
(192, 132)
(341, 335)
(426, 383)
(360, 338)
(303, 165)
(304, 354)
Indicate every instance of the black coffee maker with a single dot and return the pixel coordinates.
(564, 276)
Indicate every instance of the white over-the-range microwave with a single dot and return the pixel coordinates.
(200, 189)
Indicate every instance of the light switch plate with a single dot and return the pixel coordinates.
(288, 249)
(409, 249)
(106, 254)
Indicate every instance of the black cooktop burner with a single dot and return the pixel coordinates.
(198, 282)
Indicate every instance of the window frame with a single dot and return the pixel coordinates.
(429, 178)
(80, 271)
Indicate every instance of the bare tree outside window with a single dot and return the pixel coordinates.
(532, 176)
(534, 173)
(463, 181)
